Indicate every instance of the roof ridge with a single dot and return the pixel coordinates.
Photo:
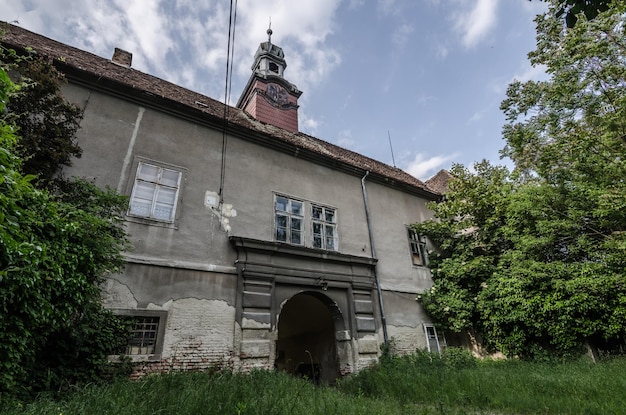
(148, 84)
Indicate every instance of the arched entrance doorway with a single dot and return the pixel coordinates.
(306, 337)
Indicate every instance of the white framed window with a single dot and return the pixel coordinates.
(417, 248)
(289, 220)
(304, 223)
(324, 227)
(435, 342)
(155, 192)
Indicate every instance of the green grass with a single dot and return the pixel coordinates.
(419, 384)
(508, 387)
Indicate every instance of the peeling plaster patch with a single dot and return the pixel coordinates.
(248, 323)
(210, 199)
(117, 295)
(157, 307)
(368, 345)
(255, 348)
(364, 363)
(222, 211)
(342, 335)
(407, 339)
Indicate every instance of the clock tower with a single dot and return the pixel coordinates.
(268, 96)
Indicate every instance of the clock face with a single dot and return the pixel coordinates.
(277, 94)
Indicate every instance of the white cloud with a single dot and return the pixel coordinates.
(475, 23)
(441, 51)
(301, 28)
(185, 41)
(355, 4)
(531, 73)
(527, 72)
(401, 35)
(424, 100)
(308, 125)
(423, 168)
(477, 116)
(345, 139)
(387, 7)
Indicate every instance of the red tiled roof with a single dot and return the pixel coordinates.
(439, 182)
(73, 59)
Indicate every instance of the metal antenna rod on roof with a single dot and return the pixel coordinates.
(391, 147)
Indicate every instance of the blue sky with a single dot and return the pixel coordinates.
(429, 73)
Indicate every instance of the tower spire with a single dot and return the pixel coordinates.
(269, 32)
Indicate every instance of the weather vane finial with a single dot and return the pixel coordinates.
(269, 31)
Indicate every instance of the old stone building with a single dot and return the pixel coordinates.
(254, 245)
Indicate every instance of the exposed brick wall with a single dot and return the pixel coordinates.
(199, 336)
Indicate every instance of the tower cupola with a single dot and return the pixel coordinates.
(269, 59)
(268, 96)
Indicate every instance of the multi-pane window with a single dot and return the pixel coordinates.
(289, 220)
(143, 336)
(417, 246)
(324, 227)
(293, 219)
(155, 192)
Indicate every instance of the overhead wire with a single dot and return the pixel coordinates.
(230, 52)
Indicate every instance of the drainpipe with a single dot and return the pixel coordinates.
(371, 235)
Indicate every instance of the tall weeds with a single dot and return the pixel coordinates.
(418, 384)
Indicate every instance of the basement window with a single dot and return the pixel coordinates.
(145, 337)
(417, 248)
(155, 192)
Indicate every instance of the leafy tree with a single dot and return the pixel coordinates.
(55, 249)
(570, 9)
(46, 121)
(553, 233)
(470, 239)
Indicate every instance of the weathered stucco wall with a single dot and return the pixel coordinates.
(188, 269)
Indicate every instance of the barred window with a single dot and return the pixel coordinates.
(143, 336)
(145, 333)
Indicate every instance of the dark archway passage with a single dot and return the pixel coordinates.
(306, 337)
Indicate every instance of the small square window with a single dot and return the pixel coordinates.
(155, 192)
(146, 332)
(143, 335)
(417, 247)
